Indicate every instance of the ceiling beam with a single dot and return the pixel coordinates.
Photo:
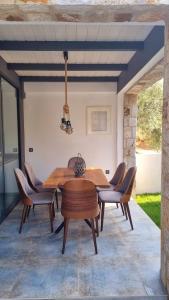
(9, 75)
(70, 79)
(61, 67)
(71, 45)
(153, 43)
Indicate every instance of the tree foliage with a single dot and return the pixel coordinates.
(149, 122)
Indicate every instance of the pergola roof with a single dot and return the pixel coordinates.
(110, 52)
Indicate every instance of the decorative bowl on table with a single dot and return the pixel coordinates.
(80, 166)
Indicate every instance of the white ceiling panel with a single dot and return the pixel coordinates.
(73, 31)
(70, 73)
(100, 57)
(74, 57)
(32, 56)
(109, 32)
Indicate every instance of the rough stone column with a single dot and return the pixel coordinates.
(129, 129)
(165, 169)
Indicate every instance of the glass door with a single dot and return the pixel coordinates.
(2, 207)
(9, 137)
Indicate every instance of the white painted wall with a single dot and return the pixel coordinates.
(148, 177)
(119, 133)
(52, 147)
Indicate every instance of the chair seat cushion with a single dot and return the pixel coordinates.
(110, 188)
(42, 198)
(40, 188)
(110, 196)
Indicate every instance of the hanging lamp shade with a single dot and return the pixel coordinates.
(65, 120)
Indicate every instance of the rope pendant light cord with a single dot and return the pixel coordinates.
(65, 79)
(65, 121)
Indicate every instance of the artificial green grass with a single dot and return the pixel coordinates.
(150, 203)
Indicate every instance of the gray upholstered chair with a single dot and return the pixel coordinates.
(121, 195)
(116, 180)
(30, 198)
(36, 184)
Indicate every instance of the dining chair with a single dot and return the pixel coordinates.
(79, 201)
(116, 179)
(121, 195)
(36, 184)
(72, 161)
(30, 198)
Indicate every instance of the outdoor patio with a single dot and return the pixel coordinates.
(114, 50)
(32, 266)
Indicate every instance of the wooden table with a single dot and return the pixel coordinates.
(60, 175)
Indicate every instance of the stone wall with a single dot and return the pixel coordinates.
(83, 11)
(165, 169)
(129, 125)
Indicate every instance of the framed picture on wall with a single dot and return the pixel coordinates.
(98, 119)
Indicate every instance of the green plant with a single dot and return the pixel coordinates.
(149, 121)
(150, 203)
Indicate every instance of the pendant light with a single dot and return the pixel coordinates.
(65, 121)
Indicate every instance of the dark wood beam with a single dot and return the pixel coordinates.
(21, 136)
(61, 67)
(9, 75)
(153, 43)
(71, 45)
(70, 79)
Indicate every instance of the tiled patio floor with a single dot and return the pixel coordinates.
(32, 266)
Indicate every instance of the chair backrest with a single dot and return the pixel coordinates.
(128, 181)
(72, 161)
(79, 196)
(32, 179)
(23, 185)
(119, 174)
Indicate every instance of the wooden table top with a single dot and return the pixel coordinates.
(60, 175)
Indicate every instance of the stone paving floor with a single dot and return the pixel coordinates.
(32, 266)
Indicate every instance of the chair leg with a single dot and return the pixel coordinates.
(28, 211)
(66, 223)
(102, 215)
(56, 196)
(100, 204)
(53, 210)
(22, 218)
(97, 226)
(117, 205)
(51, 216)
(99, 215)
(33, 207)
(122, 208)
(125, 211)
(94, 235)
(129, 215)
